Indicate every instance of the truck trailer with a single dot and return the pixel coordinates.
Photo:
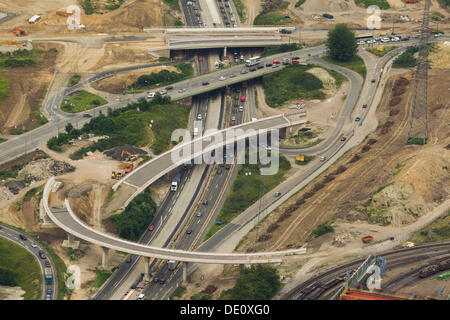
(48, 276)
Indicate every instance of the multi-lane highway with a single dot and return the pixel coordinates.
(49, 291)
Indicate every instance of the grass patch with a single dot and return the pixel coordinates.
(339, 78)
(437, 231)
(270, 19)
(406, 59)
(356, 64)
(299, 3)
(173, 4)
(382, 4)
(74, 79)
(163, 77)
(323, 229)
(22, 58)
(292, 82)
(416, 140)
(271, 50)
(113, 4)
(240, 8)
(179, 291)
(5, 86)
(246, 190)
(19, 268)
(100, 277)
(82, 101)
(437, 16)
(381, 53)
(260, 282)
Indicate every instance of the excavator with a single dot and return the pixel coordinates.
(126, 166)
(20, 33)
(130, 157)
(117, 175)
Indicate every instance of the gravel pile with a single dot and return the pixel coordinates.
(43, 169)
(116, 152)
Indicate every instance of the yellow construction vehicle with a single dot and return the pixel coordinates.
(113, 175)
(131, 157)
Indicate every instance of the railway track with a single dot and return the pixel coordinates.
(395, 259)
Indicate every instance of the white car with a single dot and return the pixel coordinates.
(141, 296)
(222, 78)
(232, 75)
(181, 90)
(150, 95)
(199, 116)
(323, 158)
(34, 245)
(163, 91)
(241, 108)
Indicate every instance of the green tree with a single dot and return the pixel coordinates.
(342, 43)
(258, 282)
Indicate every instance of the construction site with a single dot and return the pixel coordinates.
(357, 195)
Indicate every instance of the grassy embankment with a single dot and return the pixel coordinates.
(382, 4)
(272, 13)
(19, 268)
(356, 64)
(406, 59)
(293, 82)
(437, 231)
(127, 126)
(82, 101)
(246, 190)
(74, 79)
(162, 78)
(381, 53)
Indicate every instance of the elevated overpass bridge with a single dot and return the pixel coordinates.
(154, 169)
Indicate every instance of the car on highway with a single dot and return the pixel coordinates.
(205, 202)
(268, 64)
(23, 237)
(276, 62)
(323, 158)
(48, 297)
(150, 95)
(181, 90)
(86, 115)
(221, 78)
(199, 214)
(275, 66)
(373, 80)
(49, 290)
(162, 92)
(151, 227)
(200, 58)
(243, 71)
(343, 138)
(128, 260)
(34, 245)
(232, 75)
(189, 231)
(357, 119)
(241, 108)
(141, 296)
(364, 105)
(219, 171)
(42, 254)
(205, 83)
(199, 116)
(47, 264)
(277, 194)
(260, 66)
(169, 88)
(252, 69)
(227, 167)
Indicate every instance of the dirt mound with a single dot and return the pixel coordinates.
(386, 126)
(395, 101)
(14, 186)
(116, 153)
(5, 194)
(80, 190)
(43, 169)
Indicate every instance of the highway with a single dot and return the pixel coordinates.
(14, 236)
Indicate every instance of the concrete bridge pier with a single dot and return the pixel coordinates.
(70, 242)
(146, 268)
(224, 51)
(105, 257)
(184, 272)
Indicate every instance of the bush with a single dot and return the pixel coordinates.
(260, 282)
(299, 3)
(406, 59)
(136, 217)
(323, 229)
(165, 76)
(382, 4)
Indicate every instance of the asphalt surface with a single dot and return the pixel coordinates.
(14, 236)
